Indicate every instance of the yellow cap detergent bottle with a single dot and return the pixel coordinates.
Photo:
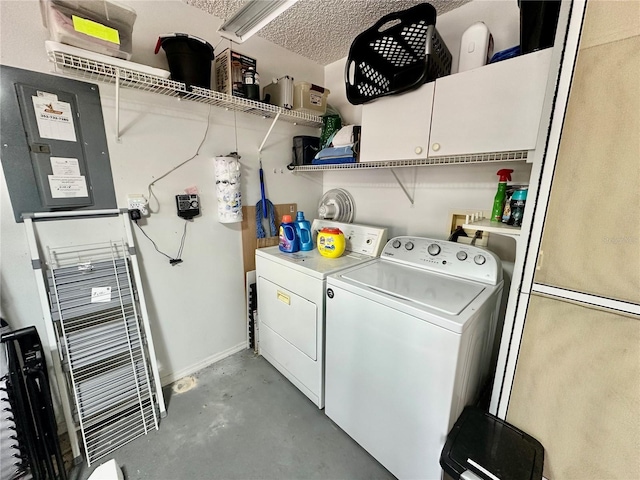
(331, 242)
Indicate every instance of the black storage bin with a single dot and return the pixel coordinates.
(189, 58)
(481, 443)
(402, 51)
(538, 22)
(304, 149)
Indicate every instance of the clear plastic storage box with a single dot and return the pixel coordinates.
(310, 98)
(100, 26)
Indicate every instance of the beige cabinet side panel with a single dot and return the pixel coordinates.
(577, 390)
(608, 21)
(591, 238)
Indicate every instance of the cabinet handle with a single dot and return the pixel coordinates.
(418, 150)
(435, 147)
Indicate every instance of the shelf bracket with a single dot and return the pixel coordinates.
(404, 189)
(273, 124)
(118, 105)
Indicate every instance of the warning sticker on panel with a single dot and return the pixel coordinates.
(65, 167)
(100, 294)
(68, 187)
(55, 119)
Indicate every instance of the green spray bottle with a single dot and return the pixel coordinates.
(498, 201)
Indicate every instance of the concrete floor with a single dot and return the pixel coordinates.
(243, 420)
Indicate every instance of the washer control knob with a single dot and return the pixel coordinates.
(433, 249)
(396, 244)
(479, 259)
(461, 255)
(409, 246)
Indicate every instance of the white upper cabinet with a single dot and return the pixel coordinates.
(495, 108)
(397, 127)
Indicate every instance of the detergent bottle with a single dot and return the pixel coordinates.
(303, 230)
(288, 238)
(498, 201)
(331, 242)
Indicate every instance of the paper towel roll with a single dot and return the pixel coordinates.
(227, 171)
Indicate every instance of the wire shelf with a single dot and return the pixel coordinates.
(494, 157)
(94, 70)
(104, 345)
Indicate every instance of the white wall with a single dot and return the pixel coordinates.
(437, 190)
(197, 308)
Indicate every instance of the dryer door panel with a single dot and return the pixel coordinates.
(292, 317)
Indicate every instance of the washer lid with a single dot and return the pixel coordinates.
(439, 292)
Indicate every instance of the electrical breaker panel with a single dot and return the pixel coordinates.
(55, 154)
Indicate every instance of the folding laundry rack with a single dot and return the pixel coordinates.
(97, 331)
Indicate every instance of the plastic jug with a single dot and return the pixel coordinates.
(288, 238)
(331, 242)
(303, 230)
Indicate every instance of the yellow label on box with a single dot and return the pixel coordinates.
(95, 29)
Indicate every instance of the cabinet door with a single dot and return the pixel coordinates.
(397, 127)
(494, 108)
(591, 236)
(576, 389)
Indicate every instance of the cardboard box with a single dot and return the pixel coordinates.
(229, 67)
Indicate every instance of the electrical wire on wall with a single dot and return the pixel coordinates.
(150, 186)
(172, 260)
(135, 214)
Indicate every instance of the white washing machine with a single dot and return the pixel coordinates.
(291, 303)
(408, 344)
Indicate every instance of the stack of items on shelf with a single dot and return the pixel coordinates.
(99, 31)
(102, 27)
(508, 204)
(343, 147)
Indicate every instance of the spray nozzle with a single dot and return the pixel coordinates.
(505, 174)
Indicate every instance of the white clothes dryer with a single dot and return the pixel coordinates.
(408, 344)
(291, 303)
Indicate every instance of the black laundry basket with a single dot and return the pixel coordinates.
(402, 51)
(490, 448)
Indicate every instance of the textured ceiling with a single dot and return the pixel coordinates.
(322, 30)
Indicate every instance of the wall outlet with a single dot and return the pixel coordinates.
(138, 201)
(459, 219)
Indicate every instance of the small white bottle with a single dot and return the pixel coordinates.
(476, 47)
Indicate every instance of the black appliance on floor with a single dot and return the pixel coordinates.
(32, 430)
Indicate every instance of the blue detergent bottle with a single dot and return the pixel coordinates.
(303, 230)
(288, 238)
